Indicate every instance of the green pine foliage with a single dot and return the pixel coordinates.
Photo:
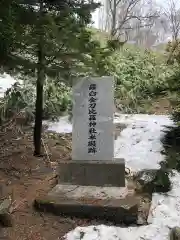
(10, 28)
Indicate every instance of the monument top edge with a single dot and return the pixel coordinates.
(93, 79)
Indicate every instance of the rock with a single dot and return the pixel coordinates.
(174, 233)
(5, 217)
(145, 176)
(145, 180)
(154, 180)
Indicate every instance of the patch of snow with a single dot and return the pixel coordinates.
(63, 125)
(139, 144)
(6, 81)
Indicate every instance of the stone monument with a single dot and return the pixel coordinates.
(93, 137)
(93, 160)
(92, 184)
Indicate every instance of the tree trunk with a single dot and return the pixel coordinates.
(39, 88)
(113, 20)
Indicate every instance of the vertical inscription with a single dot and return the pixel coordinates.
(92, 115)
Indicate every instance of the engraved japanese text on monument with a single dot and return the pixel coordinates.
(92, 117)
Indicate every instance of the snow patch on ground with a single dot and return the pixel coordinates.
(139, 144)
(62, 126)
(6, 81)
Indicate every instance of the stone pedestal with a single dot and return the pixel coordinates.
(93, 173)
(118, 205)
(92, 189)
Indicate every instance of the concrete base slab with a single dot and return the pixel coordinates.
(77, 192)
(94, 173)
(118, 205)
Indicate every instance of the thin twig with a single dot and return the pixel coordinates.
(46, 150)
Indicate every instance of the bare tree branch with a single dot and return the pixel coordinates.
(123, 16)
(172, 13)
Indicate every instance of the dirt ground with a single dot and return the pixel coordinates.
(23, 177)
(160, 106)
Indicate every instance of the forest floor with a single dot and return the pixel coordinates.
(23, 177)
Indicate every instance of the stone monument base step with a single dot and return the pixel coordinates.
(94, 173)
(117, 205)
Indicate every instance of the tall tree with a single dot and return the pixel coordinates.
(59, 36)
